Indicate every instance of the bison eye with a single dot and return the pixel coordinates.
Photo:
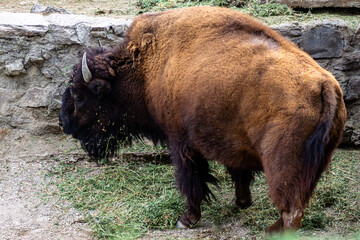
(78, 97)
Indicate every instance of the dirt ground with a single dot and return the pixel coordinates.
(104, 8)
(28, 206)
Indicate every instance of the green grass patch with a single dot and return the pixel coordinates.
(128, 199)
(252, 7)
(122, 201)
(270, 13)
(267, 10)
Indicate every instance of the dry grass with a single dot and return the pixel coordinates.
(135, 199)
(4, 132)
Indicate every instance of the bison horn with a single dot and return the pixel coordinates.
(85, 70)
(99, 42)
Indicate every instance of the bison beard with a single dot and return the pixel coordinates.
(213, 84)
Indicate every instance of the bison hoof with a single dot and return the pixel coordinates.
(277, 227)
(243, 204)
(181, 225)
(187, 220)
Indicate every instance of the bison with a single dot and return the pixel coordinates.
(212, 84)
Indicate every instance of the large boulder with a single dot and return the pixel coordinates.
(322, 42)
(39, 8)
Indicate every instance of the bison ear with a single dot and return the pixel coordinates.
(148, 40)
(100, 87)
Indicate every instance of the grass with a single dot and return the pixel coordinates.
(126, 199)
(250, 6)
(271, 13)
(336, 202)
(122, 201)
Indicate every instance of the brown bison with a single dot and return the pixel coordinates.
(214, 84)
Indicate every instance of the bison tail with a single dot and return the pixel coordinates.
(316, 158)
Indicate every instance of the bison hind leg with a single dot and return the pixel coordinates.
(242, 179)
(289, 220)
(288, 192)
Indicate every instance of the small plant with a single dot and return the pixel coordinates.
(147, 4)
(252, 7)
(267, 10)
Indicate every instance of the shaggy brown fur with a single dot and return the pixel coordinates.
(216, 84)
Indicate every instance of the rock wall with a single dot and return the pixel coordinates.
(37, 52)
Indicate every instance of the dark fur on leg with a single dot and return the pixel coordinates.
(192, 176)
(242, 179)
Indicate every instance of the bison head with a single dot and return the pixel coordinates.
(91, 108)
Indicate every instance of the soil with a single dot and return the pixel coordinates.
(29, 208)
(103, 8)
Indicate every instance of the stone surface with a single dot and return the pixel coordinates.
(356, 38)
(37, 53)
(353, 89)
(34, 56)
(37, 97)
(350, 61)
(14, 68)
(322, 42)
(39, 8)
(317, 3)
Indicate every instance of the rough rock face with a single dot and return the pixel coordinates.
(39, 8)
(37, 52)
(317, 3)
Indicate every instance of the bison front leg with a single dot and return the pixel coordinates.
(192, 175)
(242, 179)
